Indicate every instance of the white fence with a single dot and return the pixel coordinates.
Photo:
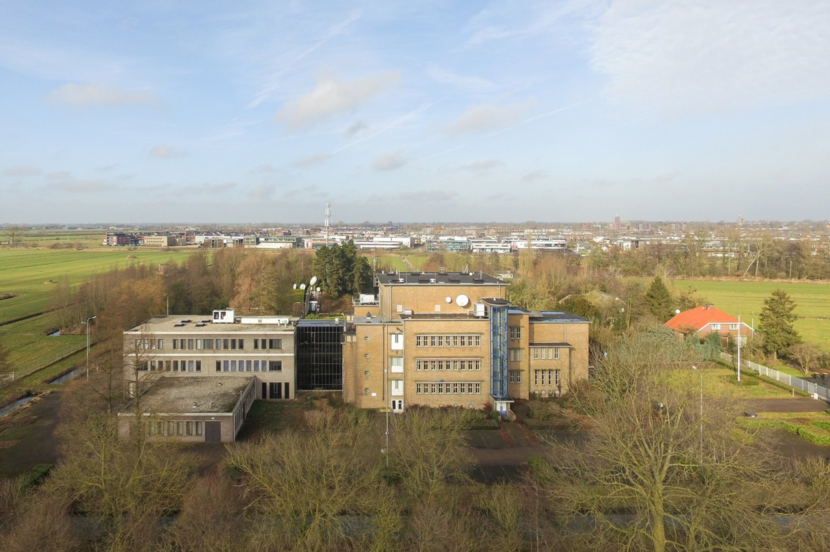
(813, 388)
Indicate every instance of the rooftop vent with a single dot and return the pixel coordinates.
(200, 325)
(179, 325)
(185, 320)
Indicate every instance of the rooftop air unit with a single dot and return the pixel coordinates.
(479, 310)
(223, 316)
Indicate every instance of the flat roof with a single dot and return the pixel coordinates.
(438, 278)
(550, 317)
(201, 394)
(203, 323)
(441, 316)
(553, 344)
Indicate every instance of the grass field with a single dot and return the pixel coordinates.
(747, 299)
(26, 273)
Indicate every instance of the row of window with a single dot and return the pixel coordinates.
(172, 428)
(171, 365)
(448, 341)
(447, 364)
(230, 344)
(717, 326)
(455, 388)
(515, 355)
(546, 377)
(542, 353)
(515, 376)
(221, 366)
(248, 366)
(515, 332)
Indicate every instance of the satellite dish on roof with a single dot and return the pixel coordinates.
(313, 281)
(449, 299)
(462, 300)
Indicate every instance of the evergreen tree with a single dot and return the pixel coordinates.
(776, 324)
(658, 300)
(342, 271)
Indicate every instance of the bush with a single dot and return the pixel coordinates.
(494, 415)
(36, 476)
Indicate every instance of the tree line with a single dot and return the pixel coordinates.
(642, 469)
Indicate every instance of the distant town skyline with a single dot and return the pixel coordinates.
(415, 112)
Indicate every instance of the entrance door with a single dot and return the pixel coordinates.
(397, 405)
(213, 432)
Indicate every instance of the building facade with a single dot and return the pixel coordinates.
(453, 339)
(223, 345)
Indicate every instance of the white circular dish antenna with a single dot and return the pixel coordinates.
(449, 299)
(313, 281)
(462, 300)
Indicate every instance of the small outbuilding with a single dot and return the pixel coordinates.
(194, 409)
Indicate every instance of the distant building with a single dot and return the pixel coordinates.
(706, 319)
(159, 241)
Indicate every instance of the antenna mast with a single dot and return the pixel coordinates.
(328, 222)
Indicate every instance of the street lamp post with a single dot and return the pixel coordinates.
(87, 343)
(700, 374)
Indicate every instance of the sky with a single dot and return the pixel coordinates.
(425, 111)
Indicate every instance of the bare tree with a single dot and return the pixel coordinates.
(659, 469)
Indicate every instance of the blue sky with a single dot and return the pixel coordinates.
(165, 111)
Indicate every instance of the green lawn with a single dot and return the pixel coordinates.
(719, 382)
(747, 299)
(26, 273)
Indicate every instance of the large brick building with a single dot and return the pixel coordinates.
(453, 339)
(432, 339)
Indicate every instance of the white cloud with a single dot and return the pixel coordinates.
(355, 128)
(82, 186)
(93, 95)
(264, 191)
(443, 76)
(312, 160)
(390, 161)
(535, 175)
(332, 96)
(484, 165)
(710, 55)
(21, 171)
(264, 168)
(489, 117)
(167, 152)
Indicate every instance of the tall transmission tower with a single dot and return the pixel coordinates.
(328, 222)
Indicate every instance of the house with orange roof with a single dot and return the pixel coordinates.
(706, 319)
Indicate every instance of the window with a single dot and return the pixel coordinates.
(198, 428)
(463, 340)
(515, 355)
(478, 388)
(397, 364)
(190, 366)
(225, 344)
(731, 327)
(175, 344)
(233, 344)
(218, 365)
(418, 388)
(275, 366)
(241, 343)
(256, 364)
(715, 326)
(478, 341)
(417, 340)
(275, 343)
(208, 343)
(515, 332)
(455, 341)
(556, 353)
(515, 376)
(198, 365)
(248, 365)
(218, 344)
(189, 344)
(256, 344)
(233, 366)
(189, 426)
(198, 344)
(226, 365)
(432, 341)
(161, 344)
